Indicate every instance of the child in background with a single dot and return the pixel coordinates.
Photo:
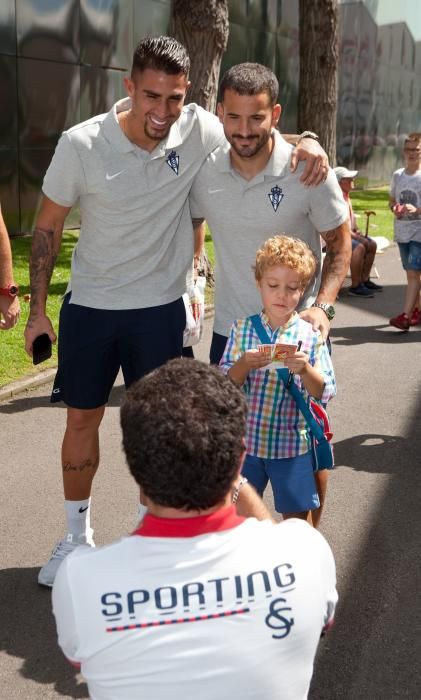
(405, 203)
(278, 442)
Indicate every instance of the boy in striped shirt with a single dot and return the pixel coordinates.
(278, 442)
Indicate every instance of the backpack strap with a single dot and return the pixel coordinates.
(260, 329)
(314, 426)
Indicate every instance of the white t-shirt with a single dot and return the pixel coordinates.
(242, 214)
(406, 189)
(212, 607)
(136, 236)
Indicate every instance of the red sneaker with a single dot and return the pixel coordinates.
(402, 322)
(415, 319)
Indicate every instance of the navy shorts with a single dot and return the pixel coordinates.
(94, 343)
(292, 480)
(410, 255)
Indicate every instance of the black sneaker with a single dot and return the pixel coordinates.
(360, 291)
(373, 286)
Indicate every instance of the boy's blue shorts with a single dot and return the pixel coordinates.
(94, 343)
(292, 480)
(410, 255)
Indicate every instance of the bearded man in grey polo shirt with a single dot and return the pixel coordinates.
(247, 193)
(131, 171)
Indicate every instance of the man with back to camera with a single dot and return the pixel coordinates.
(247, 193)
(131, 171)
(198, 602)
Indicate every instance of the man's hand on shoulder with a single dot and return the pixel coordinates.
(316, 161)
(318, 320)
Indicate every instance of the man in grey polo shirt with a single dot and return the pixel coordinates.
(131, 171)
(247, 193)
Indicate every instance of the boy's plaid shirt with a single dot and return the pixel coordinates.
(275, 427)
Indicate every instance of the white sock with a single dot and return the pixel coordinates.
(78, 516)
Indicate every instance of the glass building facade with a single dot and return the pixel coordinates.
(62, 61)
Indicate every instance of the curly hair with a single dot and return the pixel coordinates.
(289, 251)
(250, 79)
(183, 428)
(161, 53)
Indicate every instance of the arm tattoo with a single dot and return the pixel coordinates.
(41, 265)
(336, 262)
(197, 222)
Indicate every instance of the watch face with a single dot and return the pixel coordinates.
(13, 290)
(330, 312)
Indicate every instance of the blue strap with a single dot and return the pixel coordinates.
(314, 426)
(260, 329)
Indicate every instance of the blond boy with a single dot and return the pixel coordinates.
(278, 440)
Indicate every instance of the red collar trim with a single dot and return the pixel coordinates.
(224, 519)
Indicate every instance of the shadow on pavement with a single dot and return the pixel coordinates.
(26, 402)
(387, 303)
(374, 649)
(28, 632)
(371, 453)
(358, 335)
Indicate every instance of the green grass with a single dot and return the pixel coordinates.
(15, 363)
(374, 200)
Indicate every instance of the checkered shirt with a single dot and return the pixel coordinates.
(276, 428)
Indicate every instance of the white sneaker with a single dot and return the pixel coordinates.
(48, 572)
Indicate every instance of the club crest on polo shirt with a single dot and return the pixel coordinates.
(276, 196)
(173, 161)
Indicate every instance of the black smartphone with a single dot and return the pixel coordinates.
(41, 349)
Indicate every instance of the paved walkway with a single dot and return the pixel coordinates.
(371, 519)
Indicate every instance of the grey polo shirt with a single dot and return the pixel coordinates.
(136, 237)
(242, 214)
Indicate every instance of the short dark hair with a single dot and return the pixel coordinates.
(162, 53)
(183, 434)
(250, 79)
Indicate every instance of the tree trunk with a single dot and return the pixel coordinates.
(319, 54)
(202, 26)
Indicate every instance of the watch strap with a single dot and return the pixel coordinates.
(307, 135)
(11, 290)
(327, 308)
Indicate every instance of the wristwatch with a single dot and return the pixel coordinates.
(307, 135)
(327, 308)
(12, 290)
(237, 489)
